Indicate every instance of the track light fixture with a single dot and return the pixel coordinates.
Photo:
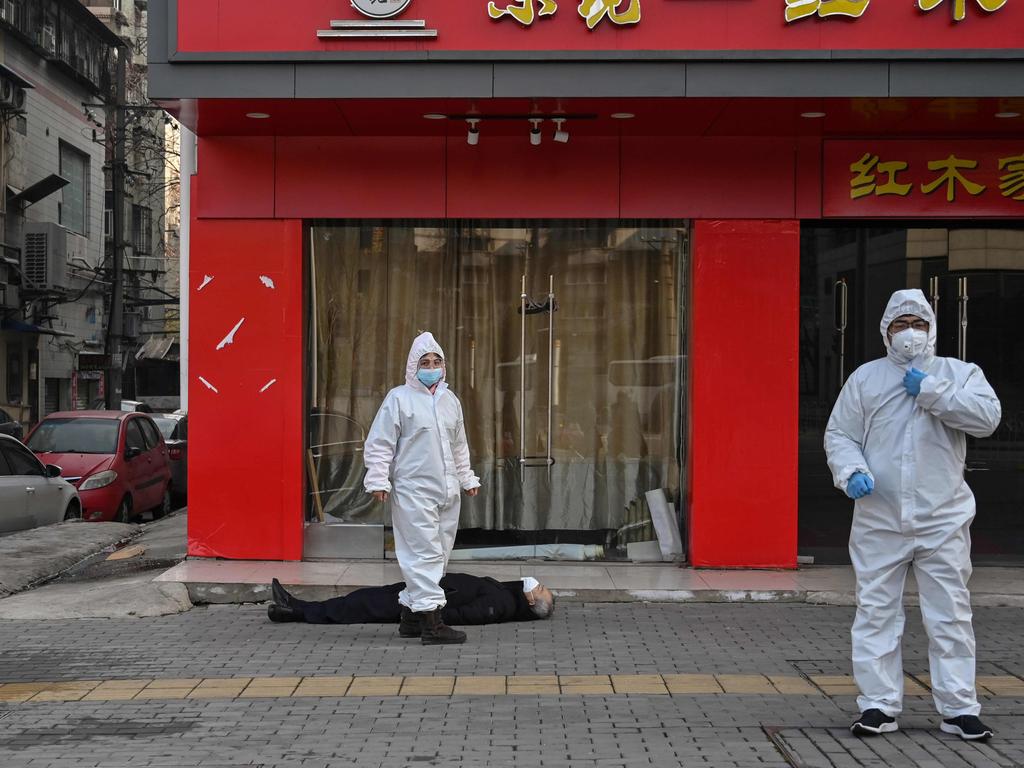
(473, 134)
(561, 135)
(535, 135)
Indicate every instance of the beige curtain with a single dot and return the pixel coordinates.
(615, 353)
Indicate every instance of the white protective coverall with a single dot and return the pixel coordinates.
(417, 451)
(919, 512)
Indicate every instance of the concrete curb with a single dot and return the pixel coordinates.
(219, 593)
(30, 557)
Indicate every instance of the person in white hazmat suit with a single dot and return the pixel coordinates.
(416, 453)
(896, 442)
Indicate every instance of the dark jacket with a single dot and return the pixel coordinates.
(470, 600)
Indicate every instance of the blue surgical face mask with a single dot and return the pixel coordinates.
(429, 376)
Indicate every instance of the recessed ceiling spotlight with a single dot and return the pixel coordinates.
(1007, 115)
(435, 116)
(257, 115)
(812, 115)
(622, 115)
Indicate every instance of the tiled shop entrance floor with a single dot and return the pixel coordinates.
(838, 748)
(459, 685)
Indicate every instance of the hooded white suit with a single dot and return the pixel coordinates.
(919, 512)
(417, 451)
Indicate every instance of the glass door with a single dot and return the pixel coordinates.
(974, 278)
(564, 343)
(980, 311)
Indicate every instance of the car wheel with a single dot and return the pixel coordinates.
(165, 505)
(124, 511)
(73, 512)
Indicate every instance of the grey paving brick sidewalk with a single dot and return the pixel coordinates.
(731, 731)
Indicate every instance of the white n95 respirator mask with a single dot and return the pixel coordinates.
(909, 343)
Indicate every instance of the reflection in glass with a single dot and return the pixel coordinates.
(603, 364)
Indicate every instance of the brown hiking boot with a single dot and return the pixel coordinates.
(410, 625)
(436, 632)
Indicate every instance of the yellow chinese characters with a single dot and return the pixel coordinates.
(801, 9)
(951, 176)
(594, 11)
(863, 183)
(524, 12)
(1012, 184)
(960, 6)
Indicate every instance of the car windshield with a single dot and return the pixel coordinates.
(166, 426)
(75, 436)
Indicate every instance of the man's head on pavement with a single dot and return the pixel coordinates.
(908, 327)
(541, 601)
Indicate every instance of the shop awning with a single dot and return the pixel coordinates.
(159, 348)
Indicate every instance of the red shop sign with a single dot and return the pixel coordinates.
(908, 179)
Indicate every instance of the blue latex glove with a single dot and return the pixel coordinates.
(912, 381)
(859, 485)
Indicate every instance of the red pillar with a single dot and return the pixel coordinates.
(744, 398)
(245, 398)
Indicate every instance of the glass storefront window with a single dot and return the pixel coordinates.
(974, 277)
(574, 409)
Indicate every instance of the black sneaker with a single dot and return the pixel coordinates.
(967, 727)
(873, 722)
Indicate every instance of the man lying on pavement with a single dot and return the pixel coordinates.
(470, 600)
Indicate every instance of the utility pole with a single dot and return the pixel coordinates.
(115, 326)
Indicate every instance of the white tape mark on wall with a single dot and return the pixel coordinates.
(230, 338)
(268, 385)
(207, 279)
(208, 385)
(267, 282)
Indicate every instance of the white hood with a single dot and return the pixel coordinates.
(421, 345)
(910, 301)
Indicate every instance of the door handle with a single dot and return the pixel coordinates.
(961, 336)
(549, 310)
(29, 489)
(933, 289)
(842, 314)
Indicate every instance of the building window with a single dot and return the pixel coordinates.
(142, 230)
(73, 212)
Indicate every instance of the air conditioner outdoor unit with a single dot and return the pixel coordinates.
(12, 95)
(8, 296)
(46, 251)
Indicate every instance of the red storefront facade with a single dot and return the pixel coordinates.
(741, 123)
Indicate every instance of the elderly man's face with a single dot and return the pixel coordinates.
(903, 322)
(539, 592)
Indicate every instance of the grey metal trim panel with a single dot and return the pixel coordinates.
(1014, 54)
(599, 79)
(222, 81)
(392, 81)
(967, 79)
(156, 47)
(568, 80)
(780, 79)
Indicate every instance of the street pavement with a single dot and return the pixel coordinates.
(83, 573)
(600, 684)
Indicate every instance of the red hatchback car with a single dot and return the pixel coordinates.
(118, 461)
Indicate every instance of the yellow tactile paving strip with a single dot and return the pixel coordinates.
(472, 685)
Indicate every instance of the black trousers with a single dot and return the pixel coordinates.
(370, 605)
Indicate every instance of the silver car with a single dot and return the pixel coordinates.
(32, 494)
(174, 428)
